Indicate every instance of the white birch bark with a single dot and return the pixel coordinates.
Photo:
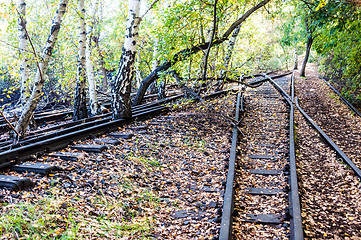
(121, 86)
(23, 44)
(230, 48)
(295, 59)
(89, 62)
(30, 106)
(80, 109)
(137, 75)
(155, 61)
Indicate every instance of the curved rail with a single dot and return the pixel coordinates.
(296, 229)
(319, 130)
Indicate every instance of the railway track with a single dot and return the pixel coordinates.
(264, 175)
(263, 172)
(263, 178)
(61, 136)
(65, 114)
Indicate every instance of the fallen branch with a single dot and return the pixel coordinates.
(9, 123)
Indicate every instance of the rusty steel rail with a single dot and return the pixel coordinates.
(296, 229)
(228, 202)
(347, 160)
(11, 156)
(348, 104)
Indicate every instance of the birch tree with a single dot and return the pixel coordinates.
(121, 85)
(23, 45)
(80, 109)
(187, 52)
(230, 47)
(93, 105)
(42, 66)
(227, 58)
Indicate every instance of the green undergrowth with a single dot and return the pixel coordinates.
(96, 217)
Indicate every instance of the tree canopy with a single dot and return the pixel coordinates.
(181, 30)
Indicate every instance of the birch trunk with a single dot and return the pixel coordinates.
(295, 59)
(23, 44)
(137, 74)
(102, 63)
(80, 109)
(231, 43)
(89, 63)
(121, 86)
(30, 106)
(227, 58)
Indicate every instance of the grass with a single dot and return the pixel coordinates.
(52, 218)
(145, 159)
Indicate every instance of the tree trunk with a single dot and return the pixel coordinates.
(227, 58)
(29, 108)
(137, 75)
(161, 90)
(80, 109)
(204, 75)
(231, 43)
(93, 104)
(308, 50)
(121, 86)
(155, 64)
(296, 59)
(102, 64)
(23, 43)
(185, 53)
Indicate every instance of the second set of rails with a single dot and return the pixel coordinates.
(265, 156)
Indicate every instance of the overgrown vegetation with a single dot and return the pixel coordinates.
(101, 217)
(336, 30)
(173, 25)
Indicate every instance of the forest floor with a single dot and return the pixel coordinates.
(330, 192)
(167, 182)
(164, 183)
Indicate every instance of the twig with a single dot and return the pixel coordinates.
(8, 44)
(9, 123)
(151, 6)
(32, 46)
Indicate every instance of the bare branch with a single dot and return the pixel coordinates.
(9, 123)
(151, 6)
(32, 45)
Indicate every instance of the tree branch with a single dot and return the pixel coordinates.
(32, 46)
(151, 6)
(9, 123)
(185, 53)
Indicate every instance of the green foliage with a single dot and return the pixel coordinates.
(176, 25)
(338, 45)
(336, 30)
